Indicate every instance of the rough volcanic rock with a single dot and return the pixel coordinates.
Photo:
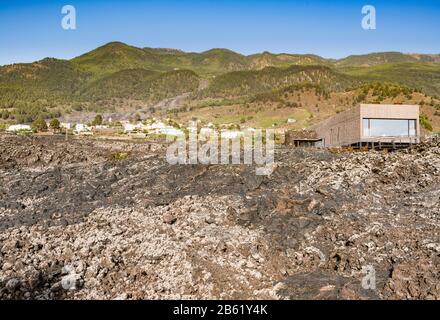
(76, 223)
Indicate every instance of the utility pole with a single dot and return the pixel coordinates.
(67, 127)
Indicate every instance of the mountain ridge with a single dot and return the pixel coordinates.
(116, 75)
(391, 56)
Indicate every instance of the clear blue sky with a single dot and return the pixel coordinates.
(31, 30)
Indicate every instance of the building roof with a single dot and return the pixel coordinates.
(302, 134)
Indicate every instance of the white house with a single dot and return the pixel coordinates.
(82, 129)
(66, 125)
(18, 127)
(170, 131)
(229, 134)
(100, 127)
(156, 126)
(129, 127)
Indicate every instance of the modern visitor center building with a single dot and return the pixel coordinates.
(372, 126)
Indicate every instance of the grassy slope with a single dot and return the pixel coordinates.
(306, 103)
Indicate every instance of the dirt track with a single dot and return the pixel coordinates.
(75, 223)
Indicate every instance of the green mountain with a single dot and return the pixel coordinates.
(115, 56)
(48, 76)
(374, 59)
(267, 59)
(422, 76)
(117, 71)
(39, 88)
(241, 83)
(141, 84)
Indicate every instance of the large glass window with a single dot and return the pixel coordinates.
(389, 128)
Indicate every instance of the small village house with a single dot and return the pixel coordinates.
(82, 129)
(19, 127)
